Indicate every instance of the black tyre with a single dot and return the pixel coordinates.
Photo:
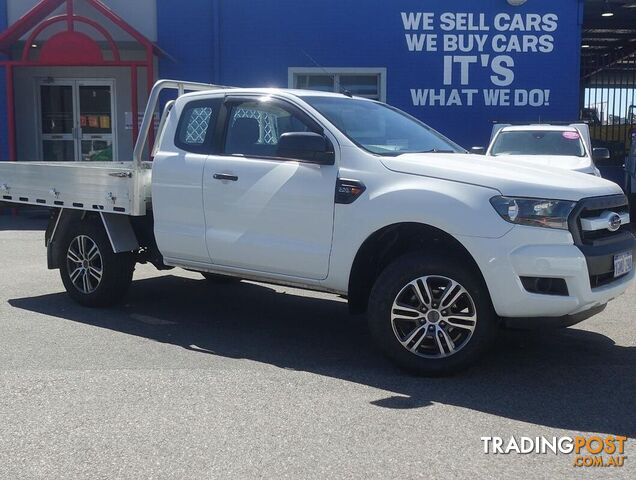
(215, 278)
(92, 273)
(431, 315)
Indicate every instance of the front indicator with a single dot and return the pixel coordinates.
(348, 191)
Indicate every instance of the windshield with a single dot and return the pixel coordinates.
(381, 129)
(536, 142)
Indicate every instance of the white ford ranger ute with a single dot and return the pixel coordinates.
(561, 146)
(338, 194)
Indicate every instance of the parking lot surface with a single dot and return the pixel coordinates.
(189, 379)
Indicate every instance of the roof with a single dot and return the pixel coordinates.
(609, 42)
(604, 34)
(276, 91)
(539, 128)
(41, 11)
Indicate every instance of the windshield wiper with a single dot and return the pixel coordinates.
(398, 153)
(434, 150)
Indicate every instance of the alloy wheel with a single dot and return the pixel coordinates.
(85, 264)
(433, 317)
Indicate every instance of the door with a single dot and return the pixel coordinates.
(57, 121)
(95, 108)
(177, 175)
(265, 213)
(77, 120)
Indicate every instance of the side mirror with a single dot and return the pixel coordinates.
(599, 154)
(308, 146)
(478, 151)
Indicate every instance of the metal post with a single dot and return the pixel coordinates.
(150, 76)
(69, 15)
(135, 102)
(10, 113)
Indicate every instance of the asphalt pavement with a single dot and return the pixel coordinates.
(189, 379)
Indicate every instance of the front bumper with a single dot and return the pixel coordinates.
(539, 252)
(526, 323)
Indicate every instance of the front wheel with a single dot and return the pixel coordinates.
(430, 315)
(92, 273)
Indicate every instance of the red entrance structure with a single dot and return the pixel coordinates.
(70, 47)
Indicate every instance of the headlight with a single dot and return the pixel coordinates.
(535, 212)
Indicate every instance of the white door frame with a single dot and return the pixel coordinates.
(77, 136)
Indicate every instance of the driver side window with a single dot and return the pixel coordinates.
(255, 127)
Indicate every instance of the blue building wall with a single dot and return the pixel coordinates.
(188, 35)
(4, 144)
(254, 42)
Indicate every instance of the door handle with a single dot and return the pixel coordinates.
(225, 176)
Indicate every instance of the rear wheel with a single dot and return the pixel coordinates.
(92, 273)
(430, 315)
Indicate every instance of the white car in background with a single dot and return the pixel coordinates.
(562, 146)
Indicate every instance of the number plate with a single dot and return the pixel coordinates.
(622, 264)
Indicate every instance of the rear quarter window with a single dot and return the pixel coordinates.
(195, 131)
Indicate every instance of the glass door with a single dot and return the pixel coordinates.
(96, 121)
(57, 121)
(77, 120)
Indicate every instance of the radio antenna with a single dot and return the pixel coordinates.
(331, 75)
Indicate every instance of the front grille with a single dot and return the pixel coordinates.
(603, 279)
(600, 235)
(600, 246)
(594, 207)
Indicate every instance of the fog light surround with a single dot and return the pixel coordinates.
(545, 286)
